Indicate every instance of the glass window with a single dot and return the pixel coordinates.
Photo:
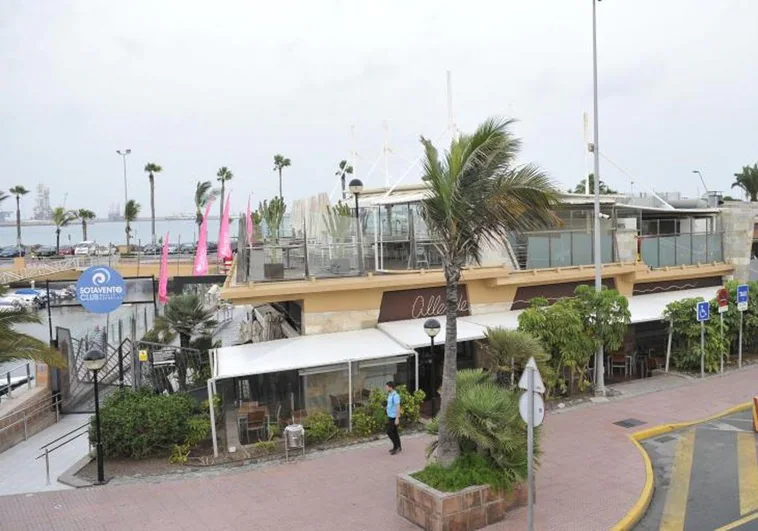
(325, 389)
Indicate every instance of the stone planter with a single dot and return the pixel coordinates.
(471, 508)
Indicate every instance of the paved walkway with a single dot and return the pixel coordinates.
(21, 473)
(590, 475)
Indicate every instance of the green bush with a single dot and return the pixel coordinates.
(372, 417)
(139, 423)
(320, 427)
(365, 423)
(265, 446)
(685, 342)
(468, 470)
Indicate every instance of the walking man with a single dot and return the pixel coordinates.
(393, 417)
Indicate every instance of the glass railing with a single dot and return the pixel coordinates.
(681, 249)
(542, 250)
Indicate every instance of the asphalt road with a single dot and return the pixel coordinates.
(706, 477)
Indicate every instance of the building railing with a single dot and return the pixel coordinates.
(561, 248)
(670, 250)
(27, 413)
(8, 381)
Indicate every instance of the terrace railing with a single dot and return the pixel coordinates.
(667, 250)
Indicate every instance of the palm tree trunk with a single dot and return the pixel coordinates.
(448, 449)
(128, 236)
(84, 230)
(152, 205)
(18, 220)
(221, 204)
(280, 184)
(181, 362)
(57, 240)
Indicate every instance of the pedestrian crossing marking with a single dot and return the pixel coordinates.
(748, 472)
(675, 509)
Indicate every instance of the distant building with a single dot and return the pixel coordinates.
(42, 209)
(114, 213)
(6, 215)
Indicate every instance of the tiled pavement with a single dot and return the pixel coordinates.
(590, 475)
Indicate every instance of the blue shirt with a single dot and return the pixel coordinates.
(393, 404)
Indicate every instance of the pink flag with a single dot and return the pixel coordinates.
(249, 224)
(224, 240)
(163, 276)
(201, 254)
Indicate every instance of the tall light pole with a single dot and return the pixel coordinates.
(599, 368)
(432, 328)
(94, 360)
(124, 154)
(705, 187)
(356, 187)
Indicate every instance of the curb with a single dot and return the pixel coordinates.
(636, 513)
(69, 476)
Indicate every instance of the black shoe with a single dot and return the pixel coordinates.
(394, 451)
(398, 450)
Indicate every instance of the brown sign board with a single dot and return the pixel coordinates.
(419, 304)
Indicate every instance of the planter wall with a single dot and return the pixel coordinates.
(471, 508)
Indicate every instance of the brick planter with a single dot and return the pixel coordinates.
(471, 508)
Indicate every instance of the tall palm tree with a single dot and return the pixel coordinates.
(151, 169)
(280, 162)
(224, 174)
(18, 191)
(85, 215)
(3, 196)
(15, 345)
(188, 317)
(204, 193)
(477, 196)
(131, 211)
(61, 218)
(747, 179)
(344, 170)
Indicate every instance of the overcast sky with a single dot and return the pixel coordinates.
(194, 85)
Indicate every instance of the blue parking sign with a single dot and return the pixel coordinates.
(703, 311)
(742, 297)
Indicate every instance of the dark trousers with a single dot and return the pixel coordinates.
(392, 433)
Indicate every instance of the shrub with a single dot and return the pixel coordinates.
(320, 427)
(685, 347)
(372, 417)
(466, 471)
(265, 446)
(365, 423)
(139, 423)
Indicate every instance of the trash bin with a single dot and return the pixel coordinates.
(294, 439)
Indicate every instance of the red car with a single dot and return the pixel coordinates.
(66, 250)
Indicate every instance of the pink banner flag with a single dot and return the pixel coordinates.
(200, 266)
(249, 224)
(163, 276)
(224, 240)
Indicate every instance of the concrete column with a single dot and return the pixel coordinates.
(738, 220)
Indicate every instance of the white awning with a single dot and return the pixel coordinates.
(410, 333)
(647, 308)
(507, 320)
(305, 352)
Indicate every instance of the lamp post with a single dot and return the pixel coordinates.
(124, 154)
(595, 148)
(94, 360)
(432, 328)
(700, 174)
(356, 187)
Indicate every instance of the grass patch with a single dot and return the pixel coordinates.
(468, 470)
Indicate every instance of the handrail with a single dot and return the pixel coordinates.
(7, 377)
(31, 410)
(41, 402)
(48, 451)
(64, 435)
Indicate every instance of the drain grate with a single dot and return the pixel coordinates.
(665, 439)
(629, 423)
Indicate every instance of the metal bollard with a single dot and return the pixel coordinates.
(10, 394)
(47, 465)
(28, 375)
(26, 433)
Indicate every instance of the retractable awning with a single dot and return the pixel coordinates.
(507, 320)
(411, 334)
(648, 308)
(304, 352)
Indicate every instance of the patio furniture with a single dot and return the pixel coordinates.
(619, 361)
(339, 409)
(257, 422)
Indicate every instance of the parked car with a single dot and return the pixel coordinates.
(151, 249)
(172, 249)
(106, 250)
(12, 251)
(85, 248)
(45, 251)
(187, 248)
(66, 250)
(212, 247)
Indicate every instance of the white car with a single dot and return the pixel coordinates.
(105, 250)
(85, 248)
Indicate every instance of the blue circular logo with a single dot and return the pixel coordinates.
(100, 289)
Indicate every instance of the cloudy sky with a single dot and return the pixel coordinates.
(194, 85)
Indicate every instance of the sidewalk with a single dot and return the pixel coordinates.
(590, 475)
(21, 473)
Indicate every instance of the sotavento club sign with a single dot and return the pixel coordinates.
(419, 304)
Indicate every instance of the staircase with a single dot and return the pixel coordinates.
(44, 268)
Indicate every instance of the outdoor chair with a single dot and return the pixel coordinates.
(620, 361)
(257, 422)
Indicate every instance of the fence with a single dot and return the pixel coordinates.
(682, 249)
(8, 381)
(561, 248)
(31, 419)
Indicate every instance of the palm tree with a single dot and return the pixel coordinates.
(477, 196)
(131, 211)
(18, 191)
(506, 353)
(281, 162)
(747, 179)
(604, 189)
(3, 196)
(224, 174)
(85, 215)
(61, 218)
(187, 316)
(15, 345)
(204, 193)
(151, 169)
(344, 169)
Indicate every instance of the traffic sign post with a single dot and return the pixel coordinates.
(723, 299)
(703, 313)
(742, 299)
(532, 410)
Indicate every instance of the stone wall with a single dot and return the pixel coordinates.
(28, 419)
(626, 245)
(469, 509)
(327, 322)
(738, 220)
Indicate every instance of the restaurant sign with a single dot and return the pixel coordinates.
(419, 304)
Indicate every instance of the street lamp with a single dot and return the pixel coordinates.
(595, 148)
(705, 187)
(94, 360)
(123, 154)
(432, 328)
(356, 187)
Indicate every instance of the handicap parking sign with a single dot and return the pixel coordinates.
(703, 311)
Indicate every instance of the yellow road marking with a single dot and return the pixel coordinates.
(748, 469)
(675, 509)
(738, 523)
